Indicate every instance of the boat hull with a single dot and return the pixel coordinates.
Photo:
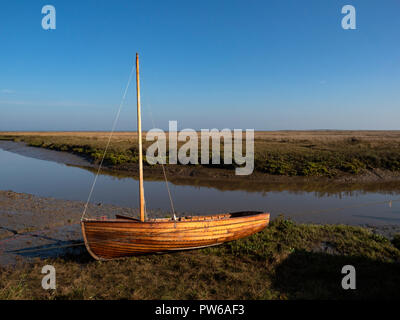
(122, 237)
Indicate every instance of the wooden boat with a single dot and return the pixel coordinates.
(126, 236)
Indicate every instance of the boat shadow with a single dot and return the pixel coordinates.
(317, 275)
(71, 250)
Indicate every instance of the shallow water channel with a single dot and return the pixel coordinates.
(48, 173)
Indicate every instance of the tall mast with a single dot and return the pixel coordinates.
(139, 123)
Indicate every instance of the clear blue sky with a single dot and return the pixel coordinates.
(238, 64)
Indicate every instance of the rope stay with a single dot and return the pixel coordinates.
(108, 145)
(162, 164)
(109, 140)
(163, 169)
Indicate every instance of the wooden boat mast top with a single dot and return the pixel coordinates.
(139, 123)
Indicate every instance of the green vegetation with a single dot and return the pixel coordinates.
(92, 152)
(285, 261)
(319, 153)
(396, 241)
(321, 163)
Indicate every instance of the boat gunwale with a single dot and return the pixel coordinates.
(170, 220)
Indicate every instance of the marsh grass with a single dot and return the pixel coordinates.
(289, 153)
(285, 261)
(284, 153)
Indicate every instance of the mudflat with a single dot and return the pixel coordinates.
(32, 226)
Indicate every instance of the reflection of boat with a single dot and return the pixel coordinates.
(125, 236)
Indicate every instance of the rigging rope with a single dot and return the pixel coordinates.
(162, 164)
(109, 140)
(163, 169)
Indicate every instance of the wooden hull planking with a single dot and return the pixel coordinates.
(110, 239)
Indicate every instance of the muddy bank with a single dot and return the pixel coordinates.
(224, 179)
(44, 154)
(33, 227)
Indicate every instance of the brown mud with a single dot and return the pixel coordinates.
(224, 179)
(32, 227)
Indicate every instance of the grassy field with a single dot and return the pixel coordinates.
(288, 153)
(285, 261)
